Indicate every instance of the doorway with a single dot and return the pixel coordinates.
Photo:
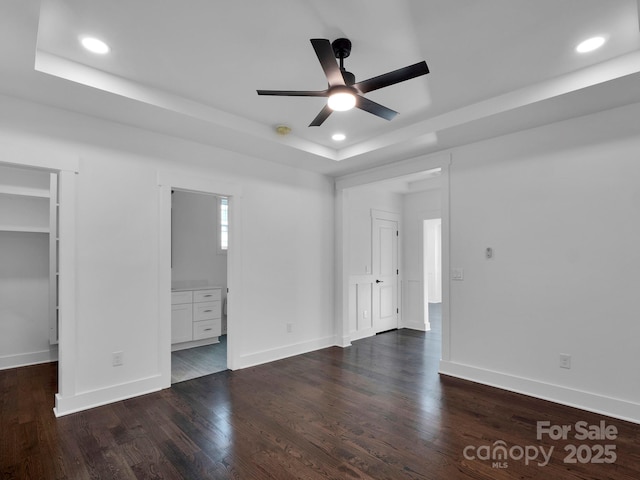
(199, 244)
(29, 274)
(173, 180)
(432, 236)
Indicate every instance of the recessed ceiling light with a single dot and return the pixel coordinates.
(590, 44)
(94, 45)
(338, 137)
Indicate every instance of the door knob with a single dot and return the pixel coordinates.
(379, 281)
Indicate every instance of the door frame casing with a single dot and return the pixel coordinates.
(168, 180)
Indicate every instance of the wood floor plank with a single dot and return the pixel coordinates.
(375, 410)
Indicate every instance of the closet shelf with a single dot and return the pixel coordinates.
(24, 191)
(23, 228)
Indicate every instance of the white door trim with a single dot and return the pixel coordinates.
(168, 180)
(382, 215)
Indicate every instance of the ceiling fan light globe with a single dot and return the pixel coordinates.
(342, 101)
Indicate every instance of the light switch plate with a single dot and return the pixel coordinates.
(457, 274)
(117, 359)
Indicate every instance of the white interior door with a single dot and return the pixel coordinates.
(385, 274)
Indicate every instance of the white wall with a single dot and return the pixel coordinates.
(559, 206)
(287, 270)
(196, 260)
(416, 208)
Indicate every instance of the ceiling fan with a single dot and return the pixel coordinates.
(344, 92)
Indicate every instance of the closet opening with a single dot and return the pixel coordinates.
(199, 273)
(29, 267)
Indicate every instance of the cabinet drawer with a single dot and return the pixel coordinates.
(206, 295)
(206, 329)
(206, 311)
(181, 297)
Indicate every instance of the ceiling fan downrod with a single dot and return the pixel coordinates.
(342, 49)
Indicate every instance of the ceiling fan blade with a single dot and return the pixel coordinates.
(327, 58)
(321, 117)
(392, 78)
(372, 107)
(294, 93)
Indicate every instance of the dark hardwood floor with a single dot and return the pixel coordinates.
(376, 410)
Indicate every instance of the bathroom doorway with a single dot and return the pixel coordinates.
(199, 245)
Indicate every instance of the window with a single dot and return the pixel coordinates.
(224, 224)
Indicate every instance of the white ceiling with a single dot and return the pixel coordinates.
(191, 69)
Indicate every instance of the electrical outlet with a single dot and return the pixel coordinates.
(457, 274)
(289, 327)
(365, 314)
(117, 358)
(565, 360)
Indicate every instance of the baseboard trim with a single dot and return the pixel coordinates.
(591, 402)
(273, 354)
(104, 396)
(343, 341)
(176, 347)
(421, 326)
(360, 334)
(31, 358)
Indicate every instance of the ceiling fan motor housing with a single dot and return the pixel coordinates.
(341, 47)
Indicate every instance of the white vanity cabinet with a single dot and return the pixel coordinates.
(196, 317)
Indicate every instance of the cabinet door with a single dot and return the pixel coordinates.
(181, 323)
